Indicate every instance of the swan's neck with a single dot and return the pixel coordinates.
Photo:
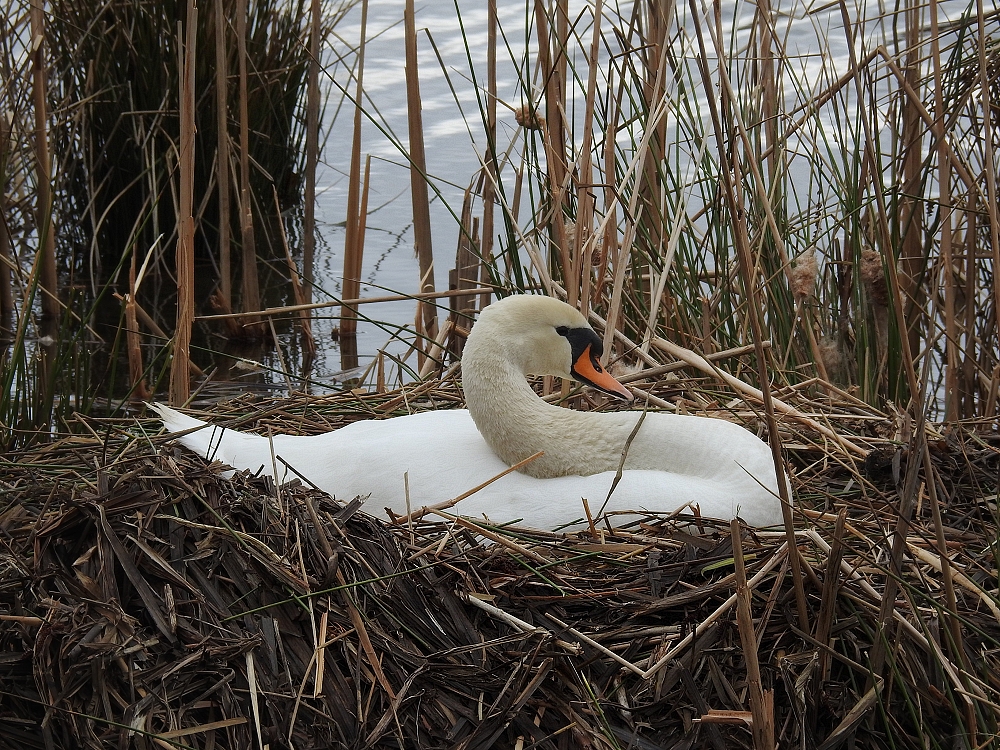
(516, 423)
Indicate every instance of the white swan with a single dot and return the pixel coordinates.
(672, 460)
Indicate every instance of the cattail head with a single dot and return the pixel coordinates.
(803, 275)
(873, 277)
(528, 118)
(834, 358)
(569, 231)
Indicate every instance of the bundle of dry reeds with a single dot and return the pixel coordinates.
(147, 600)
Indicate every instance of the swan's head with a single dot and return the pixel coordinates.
(542, 336)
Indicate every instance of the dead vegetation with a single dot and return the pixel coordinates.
(147, 601)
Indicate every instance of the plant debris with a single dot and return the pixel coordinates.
(146, 600)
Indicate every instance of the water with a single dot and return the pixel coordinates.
(811, 37)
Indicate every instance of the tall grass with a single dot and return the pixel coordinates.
(864, 187)
(113, 77)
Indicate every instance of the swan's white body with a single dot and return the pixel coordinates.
(673, 459)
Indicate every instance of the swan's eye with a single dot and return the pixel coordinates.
(562, 330)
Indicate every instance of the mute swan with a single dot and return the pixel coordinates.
(673, 459)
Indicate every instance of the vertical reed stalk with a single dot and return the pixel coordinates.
(731, 181)
(945, 224)
(48, 279)
(312, 156)
(761, 707)
(992, 207)
(353, 245)
(222, 155)
(353, 260)
(298, 293)
(465, 273)
(6, 260)
(251, 286)
(553, 135)
(180, 382)
(418, 174)
(828, 600)
(492, 169)
(578, 276)
(873, 173)
(911, 252)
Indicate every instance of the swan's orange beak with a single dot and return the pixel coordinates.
(588, 369)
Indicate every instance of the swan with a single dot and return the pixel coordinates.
(671, 461)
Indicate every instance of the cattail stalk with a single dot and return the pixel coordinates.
(180, 383)
(222, 155)
(353, 244)
(6, 261)
(47, 277)
(492, 169)
(353, 256)
(731, 181)
(251, 286)
(418, 173)
(312, 155)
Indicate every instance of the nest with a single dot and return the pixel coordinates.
(147, 600)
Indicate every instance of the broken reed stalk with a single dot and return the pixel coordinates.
(352, 241)
(312, 153)
(180, 382)
(222, 155)
(251, 286)
(133, 341)
(464, 275)
(353, 257)
(761, 701)
(731, 181)
(828, 599)
(418, 174)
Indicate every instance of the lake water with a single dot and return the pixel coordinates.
(812, 36)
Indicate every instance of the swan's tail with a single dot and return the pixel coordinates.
(232, 447)
(206, 440)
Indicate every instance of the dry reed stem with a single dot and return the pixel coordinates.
(634, 597)
(992, 208)
(6, 261)
(492, 166)
(763, 721)
(353, 245)
(222, 155)
(48, 279)
(312, 153)
(425, 509)
(418, 174)
(180, 384)
(251, 286)
(133, 341)
(299, 294)
(285, 309)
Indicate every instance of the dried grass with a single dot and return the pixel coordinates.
(147, 600)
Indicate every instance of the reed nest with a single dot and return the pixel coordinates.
(147, 600)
